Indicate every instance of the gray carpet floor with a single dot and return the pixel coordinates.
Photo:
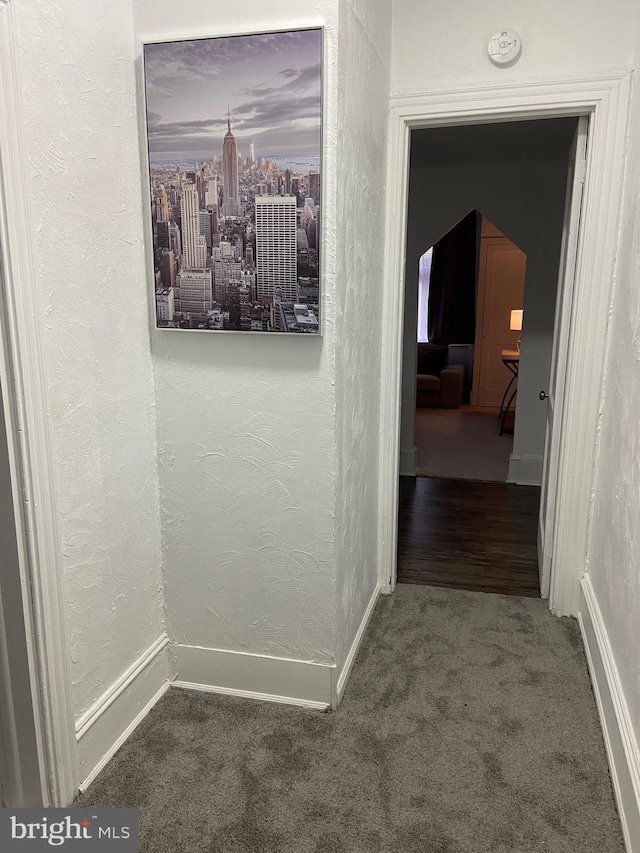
(461, 443)
(468, 725)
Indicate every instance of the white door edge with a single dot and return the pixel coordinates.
(557, 374)
(41, 566)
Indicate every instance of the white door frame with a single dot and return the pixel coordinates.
(606, 101)
(29, 447)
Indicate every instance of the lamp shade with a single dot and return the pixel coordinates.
(515, 323)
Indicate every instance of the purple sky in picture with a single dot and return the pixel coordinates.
(270, 82)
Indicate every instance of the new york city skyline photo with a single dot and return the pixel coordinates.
(234, 141)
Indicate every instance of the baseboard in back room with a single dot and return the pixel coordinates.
(408, 462)
(525, 470)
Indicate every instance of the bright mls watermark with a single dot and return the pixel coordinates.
(69, 829)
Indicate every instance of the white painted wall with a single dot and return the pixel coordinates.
(614, 559)
(246, 430)
(76, 66)
(436, 45)
(526, 202)
(364, 53)
(267, 445)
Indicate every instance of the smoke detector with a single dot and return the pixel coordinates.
(505, 47)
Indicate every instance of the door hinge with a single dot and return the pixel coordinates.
(581, 171)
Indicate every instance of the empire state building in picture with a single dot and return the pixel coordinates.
(231, 204)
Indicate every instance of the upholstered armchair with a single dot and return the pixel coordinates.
(439, 385)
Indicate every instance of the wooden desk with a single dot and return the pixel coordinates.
(511, 360)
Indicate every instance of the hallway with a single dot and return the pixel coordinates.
(221, 509)
(468, 535)
(468, 726)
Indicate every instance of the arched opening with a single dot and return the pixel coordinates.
(469, 282)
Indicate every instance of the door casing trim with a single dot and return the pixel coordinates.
(41, 566)
(606, 100)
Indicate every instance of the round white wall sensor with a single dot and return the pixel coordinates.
(505, 47)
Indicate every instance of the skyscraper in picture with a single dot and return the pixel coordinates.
(211, 193)
(194, 245)
(194, 292)
(276, 246)
(314, 186)
(230, 173)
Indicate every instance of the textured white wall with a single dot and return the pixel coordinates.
(526, 201)
(439, 45)
(246, 428)
(76, 64)
(364, 47)
(614, 559)
(268, 444)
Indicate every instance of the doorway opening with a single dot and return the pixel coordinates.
(498, 194)
(467, 352)
(583, 308)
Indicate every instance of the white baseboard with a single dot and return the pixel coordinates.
(525, 470)
(353, 651)
(622, 746)
(408, 462)
(271, 679)
(103, 729)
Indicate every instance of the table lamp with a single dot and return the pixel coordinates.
(515, 323)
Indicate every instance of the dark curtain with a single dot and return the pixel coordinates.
(452, 285)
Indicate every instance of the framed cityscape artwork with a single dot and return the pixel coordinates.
(234, 141)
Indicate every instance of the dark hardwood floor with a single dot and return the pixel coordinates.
(468, 534)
